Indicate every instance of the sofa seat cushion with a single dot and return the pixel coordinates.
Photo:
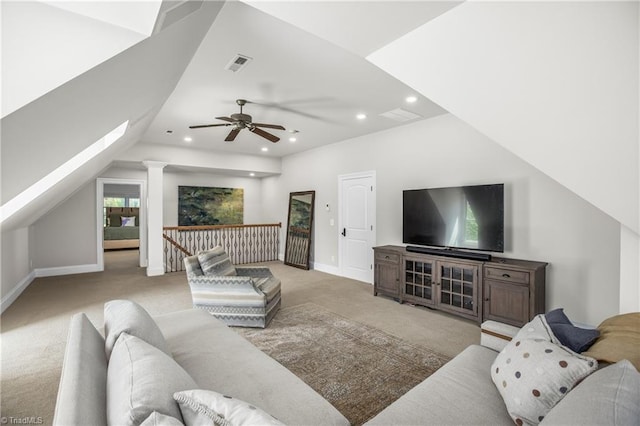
(221, 360)
(270, 286)
(459, 393)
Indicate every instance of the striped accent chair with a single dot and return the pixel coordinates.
(239, 296)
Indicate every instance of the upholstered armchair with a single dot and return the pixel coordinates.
(239, 296)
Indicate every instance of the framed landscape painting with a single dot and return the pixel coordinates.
(201, 205)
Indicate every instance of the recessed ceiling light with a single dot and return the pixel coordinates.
(292, 139)
(188, 139)
(411, 99)
(361, 116)
(252, 174)
(265, 149)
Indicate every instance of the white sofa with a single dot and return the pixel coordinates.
(215, 357)
(462, 392)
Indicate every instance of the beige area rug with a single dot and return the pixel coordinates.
(358, 368)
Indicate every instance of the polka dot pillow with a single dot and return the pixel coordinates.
(534, 372)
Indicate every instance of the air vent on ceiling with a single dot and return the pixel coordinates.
(400, 114)
(238, 62)
(176, 13)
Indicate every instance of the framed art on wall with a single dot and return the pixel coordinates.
(201, 205)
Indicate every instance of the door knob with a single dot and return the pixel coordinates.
(344, 232)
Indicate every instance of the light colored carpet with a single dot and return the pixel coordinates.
(357, 368)
(34, 327)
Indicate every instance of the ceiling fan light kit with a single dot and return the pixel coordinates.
(241, 121)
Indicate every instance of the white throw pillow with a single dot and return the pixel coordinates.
(142, 379)
(534, 372)
(205, 407)
(125, 316)
(128, 221)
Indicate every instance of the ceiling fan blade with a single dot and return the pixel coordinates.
(208, 125)
(230, 120)
(232, 135)
(266, 135)
(269, 126)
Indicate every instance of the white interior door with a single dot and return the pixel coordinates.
(357, 225)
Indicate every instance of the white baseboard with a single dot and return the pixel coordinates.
(17, 291)
(329, 269)
(153, 272)
(67, 270)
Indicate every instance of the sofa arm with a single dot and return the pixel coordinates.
(495, 335)
(222, 284)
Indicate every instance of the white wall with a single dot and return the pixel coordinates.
(66, 236)
(252, 193)
(32, 48)
(544, 221)
(554, 82)
(16, 271)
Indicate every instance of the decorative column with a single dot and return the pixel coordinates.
(155, 188)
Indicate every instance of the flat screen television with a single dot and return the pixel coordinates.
(464, 217)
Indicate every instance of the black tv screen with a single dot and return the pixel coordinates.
(466, 217)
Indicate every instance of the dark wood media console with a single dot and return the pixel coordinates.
(506, 290)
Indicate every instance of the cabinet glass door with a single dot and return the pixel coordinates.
(458, 285)
(418, 280)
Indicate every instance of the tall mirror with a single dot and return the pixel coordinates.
(299, 225)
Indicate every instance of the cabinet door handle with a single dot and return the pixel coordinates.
(387, 257)
(487, 299)
(506, 275)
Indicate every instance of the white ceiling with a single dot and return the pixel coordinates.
(296, 79)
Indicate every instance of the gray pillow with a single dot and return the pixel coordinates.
(575, 338)
(142, 379)
(216, 262)
(125, 316)
(610, 396)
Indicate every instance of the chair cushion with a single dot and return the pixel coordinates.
(216, 262)
(142, 379)
(122, 316)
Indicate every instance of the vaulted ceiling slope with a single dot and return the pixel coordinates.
(556, 83)
(47, 43)
(43, 135)
(295, 79)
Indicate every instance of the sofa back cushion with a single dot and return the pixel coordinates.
(83, 385)
(610, 396)
(216, 262)
(142, 379)
(126, 316)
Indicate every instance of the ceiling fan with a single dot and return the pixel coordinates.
(241, 121)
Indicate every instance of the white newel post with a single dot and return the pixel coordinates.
(154, 217)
